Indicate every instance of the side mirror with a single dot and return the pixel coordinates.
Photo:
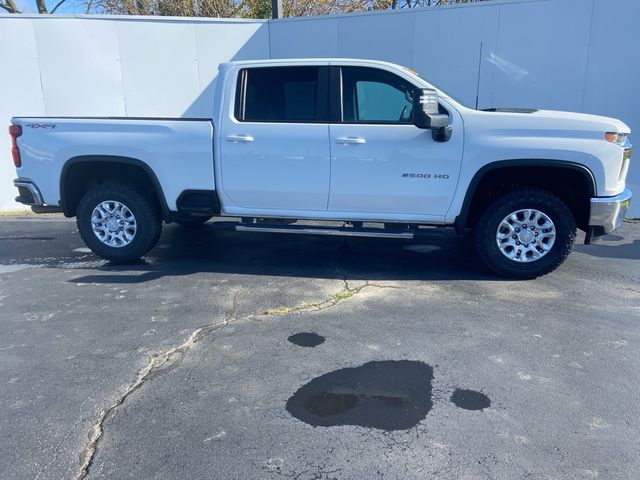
(426, 114)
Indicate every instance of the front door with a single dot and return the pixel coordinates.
(382, 163)
(275, 145)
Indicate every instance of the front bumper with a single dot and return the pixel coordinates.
(607, 214)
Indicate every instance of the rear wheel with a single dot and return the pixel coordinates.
(525, 234)
(118, 222)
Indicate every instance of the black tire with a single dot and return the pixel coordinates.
(192, 221)
(525, 198)
(144, 209)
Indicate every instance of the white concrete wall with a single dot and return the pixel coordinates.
(578, 55)
(113, 66)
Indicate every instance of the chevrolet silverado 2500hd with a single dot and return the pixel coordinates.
(354, 141)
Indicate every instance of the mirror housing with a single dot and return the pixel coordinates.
(426, 114)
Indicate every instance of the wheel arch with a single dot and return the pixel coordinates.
(79, 173)
(498, 177)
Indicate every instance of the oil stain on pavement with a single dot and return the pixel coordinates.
(470, 399)
(386, 395)
(306, 339)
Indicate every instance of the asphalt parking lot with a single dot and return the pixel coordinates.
(252, 356)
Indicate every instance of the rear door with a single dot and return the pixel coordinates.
(275, 142)
(381, 163)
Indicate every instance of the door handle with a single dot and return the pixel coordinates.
(351, 140)
(239, 138)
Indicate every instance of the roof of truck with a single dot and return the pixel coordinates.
(314, 61)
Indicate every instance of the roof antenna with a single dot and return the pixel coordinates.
(479, 69)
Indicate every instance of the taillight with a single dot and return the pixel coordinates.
(15, 131)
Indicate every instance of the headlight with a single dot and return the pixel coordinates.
(615, 137)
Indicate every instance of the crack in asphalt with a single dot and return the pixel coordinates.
(164, 362)
(333, 300)
(56, 447)
(157, 365)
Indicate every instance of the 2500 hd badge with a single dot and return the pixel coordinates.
(425, 175)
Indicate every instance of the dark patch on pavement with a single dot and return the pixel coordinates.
(470, 399)
(27, 238)
(306, 339)
(387, 395)
(612, 238)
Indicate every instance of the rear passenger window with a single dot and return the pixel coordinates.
(283, 94)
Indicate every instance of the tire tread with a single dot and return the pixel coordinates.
(146, 211)
(525, 198)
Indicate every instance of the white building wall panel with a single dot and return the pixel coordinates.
(540, 56)
(304, 38)
(452, 61)
(20, 91)
(218, 42)
(386, 36)
(79, 67)
(159, 67)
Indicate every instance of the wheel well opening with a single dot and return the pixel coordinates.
(573, 186)
(86, 172)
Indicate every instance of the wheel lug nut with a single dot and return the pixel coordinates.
(524, 225)
(517, 229)
(517, 243)
(532, 227)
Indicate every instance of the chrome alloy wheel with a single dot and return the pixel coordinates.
(113, 223)
(525, 235)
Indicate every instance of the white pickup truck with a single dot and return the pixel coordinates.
(368, 144)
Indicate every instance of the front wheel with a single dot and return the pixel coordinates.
(118, 222)
(525, 234)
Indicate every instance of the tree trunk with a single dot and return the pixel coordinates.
(9, 6)
(42, 7)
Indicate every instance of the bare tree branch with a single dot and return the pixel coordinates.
(42, 6)
(57, 5)
(9, 6)
(254, 8)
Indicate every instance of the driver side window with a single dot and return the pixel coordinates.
(370, 95)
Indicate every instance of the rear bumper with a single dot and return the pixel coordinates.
(29, 194)
(607, 214)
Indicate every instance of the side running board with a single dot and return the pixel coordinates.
(337, 231)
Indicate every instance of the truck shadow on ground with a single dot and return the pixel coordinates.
(612, 249)
(439, 255)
